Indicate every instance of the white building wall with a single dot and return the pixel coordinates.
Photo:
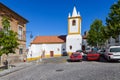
(36, 50)
(57, 48)
(75, 41)
(84, 42)
(111, 42)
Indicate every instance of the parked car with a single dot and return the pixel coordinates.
(87, 50)
(113, 53)
(93, 55)
(64, 54)
(80, 52)
(76, 56)
(102, 52)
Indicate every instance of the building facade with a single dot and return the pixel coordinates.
(112, 42)
(55, 46)
(17, 24)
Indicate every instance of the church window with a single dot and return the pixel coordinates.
(58, 49)
(73, 23)
(70, 47)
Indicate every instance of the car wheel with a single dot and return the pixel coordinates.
(108, 59)
(80, 60)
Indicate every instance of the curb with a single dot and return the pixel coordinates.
(14, 69)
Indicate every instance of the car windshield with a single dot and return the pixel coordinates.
(76, 54)
(79, 51)
(115, 50)
(93, 52)
(87, 48)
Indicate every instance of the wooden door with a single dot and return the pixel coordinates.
(51, 53)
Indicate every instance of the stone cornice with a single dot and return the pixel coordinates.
(4, 10)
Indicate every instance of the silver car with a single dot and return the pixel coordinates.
(113, 53)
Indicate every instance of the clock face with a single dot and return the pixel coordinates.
(74, 26)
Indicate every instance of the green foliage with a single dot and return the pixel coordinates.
(96, 36)
(113, 20)
(98, 33)
(8, 38)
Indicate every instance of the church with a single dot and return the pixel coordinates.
(55, 46)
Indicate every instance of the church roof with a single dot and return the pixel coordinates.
(49, 39)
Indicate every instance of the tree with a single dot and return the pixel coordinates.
(113, 20)
(8, 38)
(95, 35)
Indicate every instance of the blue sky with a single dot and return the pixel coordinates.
(49, 17)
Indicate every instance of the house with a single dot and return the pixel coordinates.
(113, 42)
(55, 46)
(17, 24)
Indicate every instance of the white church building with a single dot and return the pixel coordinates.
(55, 46)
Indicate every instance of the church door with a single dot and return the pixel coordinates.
(51, 53)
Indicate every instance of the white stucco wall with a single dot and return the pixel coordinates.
(34, 51)
(75, 41)
(37, 49)
(84, 42)
(112, 42)
(57, 48)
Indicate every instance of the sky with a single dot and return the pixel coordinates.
(50, 17)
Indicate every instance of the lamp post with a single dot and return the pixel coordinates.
(31, 36)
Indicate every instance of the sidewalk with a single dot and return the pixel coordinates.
(23, 65)
(18, 66)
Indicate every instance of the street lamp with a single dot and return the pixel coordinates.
(31, 36)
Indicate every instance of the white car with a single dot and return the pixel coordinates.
(87, 50)
(113, 53)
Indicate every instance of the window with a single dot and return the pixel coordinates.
(70, 47)
(115, 49)
(117, 40)
(20, 33)
(63, 49)
(58, 49)
(20, 51)
(73, 23)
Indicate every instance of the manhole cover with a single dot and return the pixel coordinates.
(59, 70)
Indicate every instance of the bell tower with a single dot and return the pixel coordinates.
(74, 23)
(74, 38)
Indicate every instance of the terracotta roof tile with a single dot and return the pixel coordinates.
(49, 39)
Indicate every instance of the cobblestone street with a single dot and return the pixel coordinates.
(86, 70)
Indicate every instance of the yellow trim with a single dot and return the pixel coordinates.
(79, 25)
(46, 56)
(33, 59)
(73, 33)
(69, 53)
(58, 55)
(75, 17)
(55, 55)
(68, 25)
